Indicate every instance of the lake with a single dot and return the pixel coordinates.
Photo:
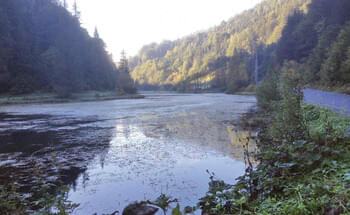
(112, 153)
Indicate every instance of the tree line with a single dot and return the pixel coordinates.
(44, 48)
(222, 57)
(314, 33)
(314, 46)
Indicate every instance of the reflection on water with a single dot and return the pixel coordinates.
(117, 152)
(238, 138)
(138, 167)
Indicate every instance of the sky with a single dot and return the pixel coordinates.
(130, 24)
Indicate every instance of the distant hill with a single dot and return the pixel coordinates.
(225, 56)
(222, 56)
(44, 48)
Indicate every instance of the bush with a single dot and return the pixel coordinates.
(267, 92)
(304, 160)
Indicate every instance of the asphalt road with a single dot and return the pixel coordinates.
(339, 103)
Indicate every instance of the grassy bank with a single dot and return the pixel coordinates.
(75, 97)
(303, 155)
(298, 173)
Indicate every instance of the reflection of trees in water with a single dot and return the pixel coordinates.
(238, 139)
(123, 129)
(203, 130)
(134, 155)
(60, 154)
(155, 158)
(140, 150)
(86, 178)
(102, 157)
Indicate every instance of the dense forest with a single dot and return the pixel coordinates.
(315, 46)
(44, 48)
(236, 54)
(319, 41)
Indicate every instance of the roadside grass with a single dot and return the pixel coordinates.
(303, 158)
(310, 175)
(322, 185)
(320, 119)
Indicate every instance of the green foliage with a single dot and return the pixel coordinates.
(44, 48)
(267, 92)
(222, 57)
(125, 83)
(313, 33)
(164, 202)
(325, 123)
(288, 109)
(176, 210)
(10, 201)
(45, 198)
(335, 69)
(50, 200)
(303, 161)
(56, 203)
(318, 40)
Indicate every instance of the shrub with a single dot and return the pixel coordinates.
(267, 92)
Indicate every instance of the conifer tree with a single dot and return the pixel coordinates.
(65, 59)
(96, 34)
(76, 10)
(125, 81)
(124, 64)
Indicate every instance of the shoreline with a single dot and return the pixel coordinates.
(51, 98)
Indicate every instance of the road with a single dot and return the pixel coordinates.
(339, 103)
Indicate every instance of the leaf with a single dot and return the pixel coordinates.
(347, 132)
(347, 176)
(315, 171)
(242, 201)
(316, 157)
(240, 186)
(176, 210)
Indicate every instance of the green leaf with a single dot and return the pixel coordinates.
(176, 210)
(347, 176)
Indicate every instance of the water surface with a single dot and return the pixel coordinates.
(116, 152)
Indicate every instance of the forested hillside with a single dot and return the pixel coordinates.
(223, 57)
(312, 33)
(319, 41)
(44, 48)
